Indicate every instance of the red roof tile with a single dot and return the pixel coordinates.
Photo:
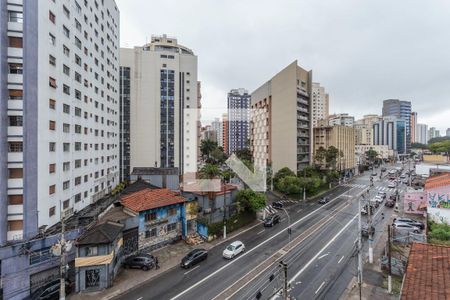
(428, 273)
(437, 181)
(151, 198)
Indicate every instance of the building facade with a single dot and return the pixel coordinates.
(320, 103)
(281, 123)
(364, 129)
(341, 120)
(163, 104)
(447, 133)
(383, 151)
(124, 124)
(225, 132)
(60, 118)
(217, 127)
(421, 134)
(412, 126)
(391, 131)
(433, 133)
(340, 137)
(239, 103)
(401, 110)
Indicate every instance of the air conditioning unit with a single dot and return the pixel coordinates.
(67, 213)
(207, 211)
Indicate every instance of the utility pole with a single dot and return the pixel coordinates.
(304, 187)
(389, 260)
(285, 285)
(359, 248)
(369, 229)
(62, 284)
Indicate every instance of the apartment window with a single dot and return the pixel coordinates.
(66, 108)
(51, 211)
(15, 199)
(51, 168)
(51, 39)
(77, 163)
(66, 166)
(150, 217)
(77, 111)
(15, 42)
(78, 77)
(151, 233)
(172, 211)
(15, 16)
(66, 89)
(66, 11)
(37, 257)
(77, 198)
(52, 82)
(78, 25)
(66, 185)
(52, 103)
(77, 43)
(15, 94)
(15, 120)
(52, 60)
(15, 225)
(15, 68)
(51, 17)
(66, 147)
(78, 94)
(91, 251)
(66, 204)
(15, 147)
(77, 146)
(52, 147)
(66, 51)
(51, 125)
(66, 70)
(51, 189)
(66, 31)
(171, 227)
(15, 173)
(77, 128)
(78, 180)
(66, 128)
(78, 60)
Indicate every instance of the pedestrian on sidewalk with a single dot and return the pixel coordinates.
(156, 263)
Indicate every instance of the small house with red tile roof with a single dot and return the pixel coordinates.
(161, 216)
(427, 273)
(437, 190)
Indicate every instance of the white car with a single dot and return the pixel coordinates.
(391, 185)
(233, 249)
(378, 199)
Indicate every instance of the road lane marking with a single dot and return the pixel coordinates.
(254, 248)
(341, 259)
(140, 298)
(185, 273)
(319, 288)
(262, 231)
(320, 257)
(323, 249)
(299, 210)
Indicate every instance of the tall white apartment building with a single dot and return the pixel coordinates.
(217, 126)
(320, 104)
(59, 110)
(341, 119)
(163, 104)
(421, 134)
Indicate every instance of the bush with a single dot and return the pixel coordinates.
(250, 201)
(439, 232)
(235, 222)
(289, 185)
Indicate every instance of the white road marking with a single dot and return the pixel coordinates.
(321, 250)
(185, 273)
(282, 220)
(320, 257)
(261, 231)
(259, 245)
(319, 288)
(140, 298)
(341, 259)
(299, 210)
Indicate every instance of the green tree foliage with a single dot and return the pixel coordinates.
(331, 157)
(250, 201)
(371, 155)
(289, 184)
(244, 154)
(440, 147)
(418, 146)
(209, 171)
(439, 139)
(440, 232)
(206, 147)
(320, 156)
(282, 173)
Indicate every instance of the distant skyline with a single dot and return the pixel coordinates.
(362, 52)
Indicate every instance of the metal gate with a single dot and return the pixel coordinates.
(40, 279)
(130, 241)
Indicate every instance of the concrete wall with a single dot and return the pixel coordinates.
(439, 204)
(172, 182)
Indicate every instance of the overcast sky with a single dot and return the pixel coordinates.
(361, 51)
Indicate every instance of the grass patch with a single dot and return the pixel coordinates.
(396, 284)
(438, 233)
(233, 223)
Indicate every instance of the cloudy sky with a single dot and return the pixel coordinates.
(362, 51)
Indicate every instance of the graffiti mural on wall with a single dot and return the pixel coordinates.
(439, 206)
(415, 203)
(439, 200)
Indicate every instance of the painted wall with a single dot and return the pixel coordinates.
(413, 201)
(439, 204)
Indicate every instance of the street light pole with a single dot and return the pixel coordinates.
(62, 287)
(359, 248)
(289, 223)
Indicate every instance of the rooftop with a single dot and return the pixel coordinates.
(438, 181)
(154, 171)
(427, 273)
(103, 233)
(151, 198)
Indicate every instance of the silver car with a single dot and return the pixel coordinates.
(405, 227)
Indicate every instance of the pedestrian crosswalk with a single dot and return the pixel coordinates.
(355, 185)
(270, 210)
(363, 186)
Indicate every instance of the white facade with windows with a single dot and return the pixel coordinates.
(320, 103)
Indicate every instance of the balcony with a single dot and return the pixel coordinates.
(15, 26)
(303, 118)
(302, 92)
(15, 235)
(302, 101)
(302, 109)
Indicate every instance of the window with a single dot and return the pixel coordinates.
(66, 147)
(52, 60)
(66, 31)
(51, 189)
(77, 146)
(78, 180)
(66, 166)
(66, 89)
(15, 68)
(172, 211)
(77, 128)
(15, 121)
(15, 225)
(66, 51)
(15, 147)
(66, 70)
(66, 128)
(66, 11)
(51, 125)
(77, 197)
(77, 77)
(15, 199)
(77, 60)
(66, 185)
(66, 108)
(51, 168)
(171, 227)
(52, 82)
(15, 42)
(51, 17)
(77, 163)
(51, 39)
(91, 251)
(40, 256)
(15, 16)
(93, 278)
(52, 147)
(150, 217)
(77, 111)
(78, 25)
(51, 211)
(15, 173)
(15, 94)
(151, 233)
(77, 43)
(78, 94)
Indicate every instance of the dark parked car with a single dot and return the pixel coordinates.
(194, 257)
(389, 203)
(140, 261)
(324, 200)
(271, 220)
(277, 205)
(383, 169)
(393, 198)
(51, 291)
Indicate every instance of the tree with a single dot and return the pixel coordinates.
(371, 155)
(331, 157)
(320, 156)
(217, 156)
(244, 154)
(440, 147)
(438, 139)
(209, 171)
(250, 201)
(289, 185)
(282, 173)
(206, 147)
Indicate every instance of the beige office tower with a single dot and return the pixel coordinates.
(364, 129)
(341, 137)
(281, 120)
(320, 103)
(163, 104)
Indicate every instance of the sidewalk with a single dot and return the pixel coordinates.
(169, 257)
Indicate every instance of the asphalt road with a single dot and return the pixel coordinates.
(320, 258)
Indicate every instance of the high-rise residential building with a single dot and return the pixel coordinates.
(341, 137)
(207, 133)
(412, 126)
(225, 132)
(447, 133)
(433, 133)
(421, 134)
(124, 124)
(391, 131)
(217, 126)
(239, 104)
(341, 119)
(163, 104)
(281, 120)
(59, 113)
(400, 109)
(199, 123)
(364, 129)
(320, 103)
